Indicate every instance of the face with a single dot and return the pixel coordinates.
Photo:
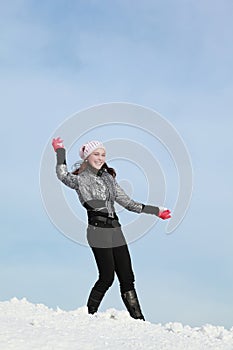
(97, 158)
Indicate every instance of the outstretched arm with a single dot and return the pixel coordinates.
(161, 212)
(123, 199)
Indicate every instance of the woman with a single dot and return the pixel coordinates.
(97, 190)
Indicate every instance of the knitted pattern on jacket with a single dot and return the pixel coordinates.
(97, 189)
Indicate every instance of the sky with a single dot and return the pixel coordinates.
(61, 57)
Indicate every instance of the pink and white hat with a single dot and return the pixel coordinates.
(89, 147)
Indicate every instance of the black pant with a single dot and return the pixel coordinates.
(112, 255)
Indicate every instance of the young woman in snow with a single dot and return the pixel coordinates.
(97, 190)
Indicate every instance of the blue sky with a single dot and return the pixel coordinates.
(60, 57)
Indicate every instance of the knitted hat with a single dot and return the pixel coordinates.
(89, 147)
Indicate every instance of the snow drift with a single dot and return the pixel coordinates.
(24, 326)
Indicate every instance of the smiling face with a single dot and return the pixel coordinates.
(97, 158)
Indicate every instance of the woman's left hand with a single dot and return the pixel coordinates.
(164, 213)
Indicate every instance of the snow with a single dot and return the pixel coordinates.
(24, 326)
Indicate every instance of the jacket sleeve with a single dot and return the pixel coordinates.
(125, 201)
(63, 175)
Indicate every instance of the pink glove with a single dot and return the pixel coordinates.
(164, 213)
(57, 143)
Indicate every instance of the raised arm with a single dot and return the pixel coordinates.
(63, 175)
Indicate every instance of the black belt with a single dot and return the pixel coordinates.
(95, 220)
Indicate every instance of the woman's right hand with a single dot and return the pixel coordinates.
(57, 143)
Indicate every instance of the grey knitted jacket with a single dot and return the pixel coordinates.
(97, 190)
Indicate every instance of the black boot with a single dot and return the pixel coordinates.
(132, 304)
(94, 300)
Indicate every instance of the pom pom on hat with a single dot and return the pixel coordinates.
(89, 147)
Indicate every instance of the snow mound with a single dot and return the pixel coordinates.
(24, 326)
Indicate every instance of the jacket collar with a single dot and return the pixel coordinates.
(95, 171)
